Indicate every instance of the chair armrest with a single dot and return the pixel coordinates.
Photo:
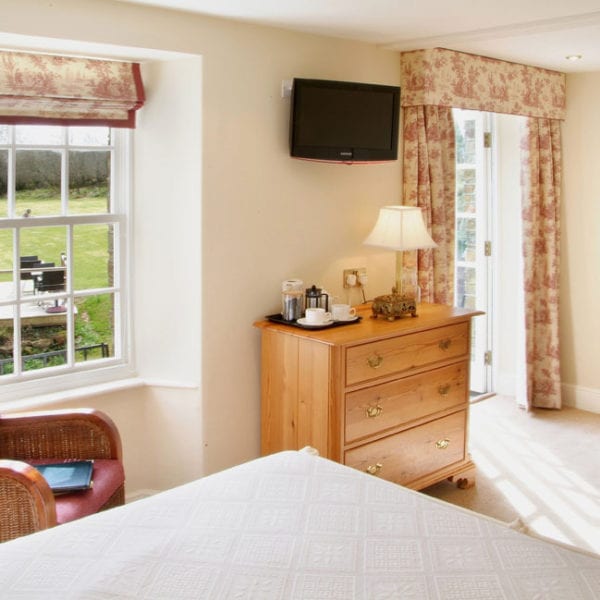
(26, 501)
(75, 433)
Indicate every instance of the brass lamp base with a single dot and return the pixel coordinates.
(394, 306)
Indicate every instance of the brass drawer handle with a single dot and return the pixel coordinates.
(373, 411)
(374, 469)
(443, 390)
(445, 344)
(375, 360)
(442, 444)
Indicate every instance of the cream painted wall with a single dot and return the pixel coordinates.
(268, 217)
(264, 216)
(580, 280)
(167, 222)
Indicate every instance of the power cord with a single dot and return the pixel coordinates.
(362, 282)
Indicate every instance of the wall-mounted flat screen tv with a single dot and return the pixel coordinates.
(344, 121)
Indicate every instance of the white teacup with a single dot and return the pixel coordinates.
(317, 316)
(342, 312)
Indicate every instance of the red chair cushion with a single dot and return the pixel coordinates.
(108, 476)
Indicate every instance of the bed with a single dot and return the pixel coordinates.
(292, 525)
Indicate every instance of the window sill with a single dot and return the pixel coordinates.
(43, 401)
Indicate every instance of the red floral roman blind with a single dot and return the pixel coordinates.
(64, 90)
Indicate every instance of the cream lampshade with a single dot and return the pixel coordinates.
(400, 228)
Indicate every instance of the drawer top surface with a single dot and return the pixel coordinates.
(429, 316)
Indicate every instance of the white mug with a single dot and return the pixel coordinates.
(342, 312)
(317, 316)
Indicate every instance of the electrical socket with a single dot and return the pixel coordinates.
(362, 271)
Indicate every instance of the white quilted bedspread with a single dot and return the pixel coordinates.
(292, 526)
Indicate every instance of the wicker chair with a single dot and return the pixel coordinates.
(26, 501)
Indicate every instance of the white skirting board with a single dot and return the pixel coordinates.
(581, 397)
(575, 396)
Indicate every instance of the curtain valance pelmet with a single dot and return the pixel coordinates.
(441, 77)
(64, 90)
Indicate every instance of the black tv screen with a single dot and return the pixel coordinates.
(344, 121)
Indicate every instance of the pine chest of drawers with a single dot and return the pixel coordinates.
(388, 398)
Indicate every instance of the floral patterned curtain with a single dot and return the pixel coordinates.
(541, 199)
(50, 89)
(438, 78)
(441, 77)
(429, 179)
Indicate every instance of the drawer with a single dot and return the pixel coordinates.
(380, 407)
(406, 456)
(406, 352)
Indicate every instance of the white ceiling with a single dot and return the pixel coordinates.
(536, 32)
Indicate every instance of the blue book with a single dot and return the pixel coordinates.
(68, 476)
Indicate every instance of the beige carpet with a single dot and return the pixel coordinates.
(542, 467)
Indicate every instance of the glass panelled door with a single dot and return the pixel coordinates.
(473, 244)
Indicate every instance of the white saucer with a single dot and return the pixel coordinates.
(305, 323)
(346, 320)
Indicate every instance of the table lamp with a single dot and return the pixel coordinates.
(399, 228)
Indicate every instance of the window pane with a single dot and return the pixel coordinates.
(94, 327)
(92, 256)
(465, 287)
(44, 344)
(466, 149)
(89, 181)
(466, 239)
(466, 199)
(3, 182)
(43, 135)
(46, 245)
(3, 134)
(37, 182)
(89, 136)
(6, 340)
(6, 264)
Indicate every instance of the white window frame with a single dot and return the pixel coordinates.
(481, 374)
(50, 380)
